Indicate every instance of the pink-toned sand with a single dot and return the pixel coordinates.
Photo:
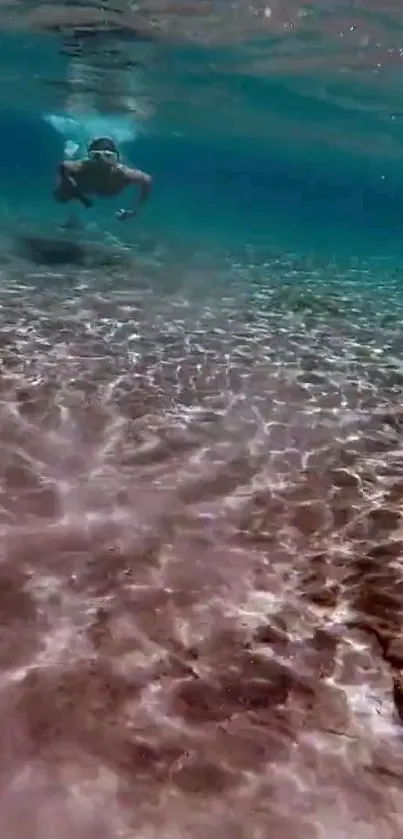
(200, 579)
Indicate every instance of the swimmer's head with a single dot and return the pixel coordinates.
(103, 149)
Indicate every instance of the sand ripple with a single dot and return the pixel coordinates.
(201, 579)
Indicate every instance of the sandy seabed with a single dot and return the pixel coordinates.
(201, 576)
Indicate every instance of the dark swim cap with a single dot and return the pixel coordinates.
(103, 146)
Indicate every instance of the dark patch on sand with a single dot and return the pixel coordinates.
(52, 250)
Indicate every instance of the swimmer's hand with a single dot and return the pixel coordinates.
(86, 202)
(122, 215)
(68, 178)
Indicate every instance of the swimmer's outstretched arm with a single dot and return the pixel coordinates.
(141, 180)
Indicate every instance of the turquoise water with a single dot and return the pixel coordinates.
(310, 160)
(200, 425)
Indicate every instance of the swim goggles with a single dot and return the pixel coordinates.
(103, 154)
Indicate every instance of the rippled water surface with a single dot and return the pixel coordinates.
(201, 470)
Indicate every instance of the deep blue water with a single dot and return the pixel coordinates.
(253, 189)
(303, 162)
(252, 192)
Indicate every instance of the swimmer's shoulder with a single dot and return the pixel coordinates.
(130, 175)
(75, 167)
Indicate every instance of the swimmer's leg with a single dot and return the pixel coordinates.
(63, 194)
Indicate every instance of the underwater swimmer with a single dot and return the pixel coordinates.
(100, 174)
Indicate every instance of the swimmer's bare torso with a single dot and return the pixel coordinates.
(79, 179)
